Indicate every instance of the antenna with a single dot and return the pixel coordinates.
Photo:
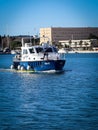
(30, 37)
(22, 42)
(7, 36)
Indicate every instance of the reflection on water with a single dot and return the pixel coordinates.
(51, 101)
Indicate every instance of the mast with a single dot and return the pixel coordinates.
(22, 41)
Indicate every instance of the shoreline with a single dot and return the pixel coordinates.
(83, 52)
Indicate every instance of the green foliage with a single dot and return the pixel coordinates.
(15, 44)
(92, 36)
(35, 41)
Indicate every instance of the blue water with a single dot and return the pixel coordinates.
(49, 101)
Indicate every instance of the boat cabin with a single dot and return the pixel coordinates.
(30, 52)
(34, 53)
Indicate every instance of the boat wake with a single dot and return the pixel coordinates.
(30, 71)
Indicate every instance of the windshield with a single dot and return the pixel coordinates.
(39, 49)
(48, 49)
(55, 49)
(31, 50)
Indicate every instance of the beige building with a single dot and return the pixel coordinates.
(56, 34)
(77, 44)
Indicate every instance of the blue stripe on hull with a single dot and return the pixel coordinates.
(42, 65)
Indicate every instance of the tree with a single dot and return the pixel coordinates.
(35, 41)
(66, 46)
(70, 42)
(86, 44)
(15, 44)
(75, 44)
(92, 36)
(80, 43)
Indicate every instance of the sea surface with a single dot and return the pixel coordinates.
(50, 101)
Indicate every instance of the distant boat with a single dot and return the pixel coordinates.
(63, 50)
(6, 51)
(13, 52)
(38, 58)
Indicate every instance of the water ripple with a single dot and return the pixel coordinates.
(50, 101)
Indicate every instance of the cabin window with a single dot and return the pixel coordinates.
(39, 49)
(25, 51)
(55, 49)
(48, 50)
(31, 50)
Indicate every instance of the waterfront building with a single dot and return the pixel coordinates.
(77, 44)
(56, 34)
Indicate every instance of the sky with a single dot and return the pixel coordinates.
(26, 17)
